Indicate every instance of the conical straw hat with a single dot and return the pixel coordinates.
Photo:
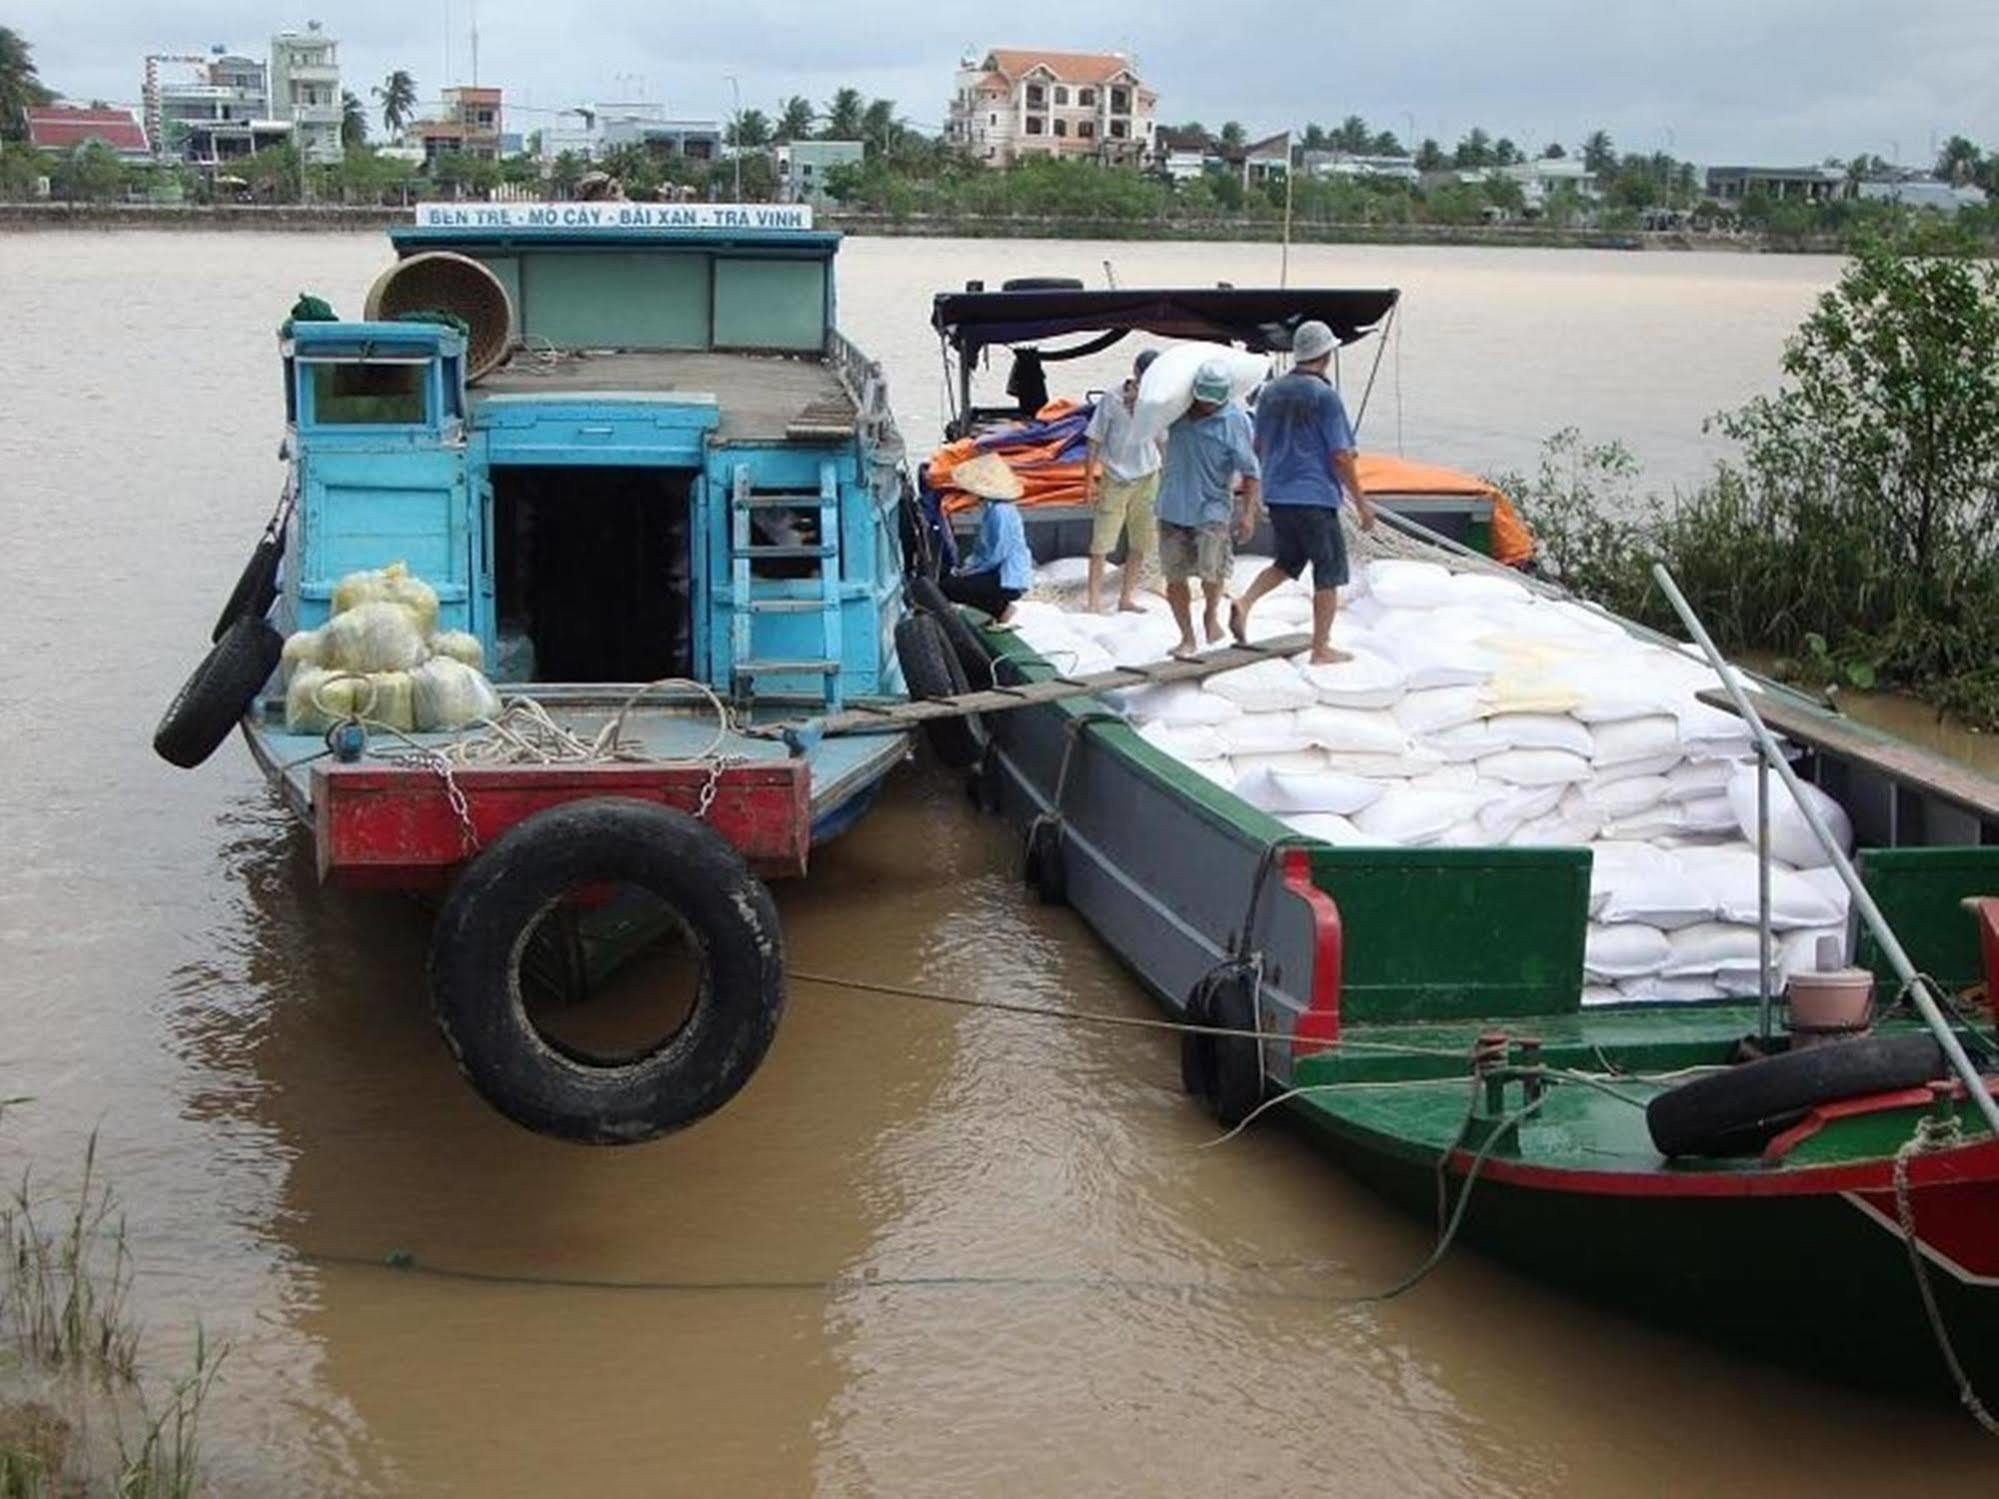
(988, 477)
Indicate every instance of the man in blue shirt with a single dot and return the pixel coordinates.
(1207, 450)
(1000, 568)
(1307, 448)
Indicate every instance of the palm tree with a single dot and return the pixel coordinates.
(843, 116)
(1233, 135)
(750, 129)
(19, 87)
(1958, 161)
(398, 95)
(794, 119)
(1599, 156)
(353, 122)
(879, 126)
(1353, 135)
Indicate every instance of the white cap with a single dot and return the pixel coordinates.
(1313, 340)
(1211, 381)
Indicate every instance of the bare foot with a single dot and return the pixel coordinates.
(1186, 650)
(1213, 629)
(1239, 623)
(1330, 656)
(1126, 606)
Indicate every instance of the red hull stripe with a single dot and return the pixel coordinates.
(1974, 1167)
(1319, 1025)
(1956, 1227)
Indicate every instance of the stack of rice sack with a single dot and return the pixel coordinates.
(381, 657)
(1477, 713)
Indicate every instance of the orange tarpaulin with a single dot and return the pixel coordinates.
(1047, 480)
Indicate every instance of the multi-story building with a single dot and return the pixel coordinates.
(802, 167)
(209, 110)
(470, 125)
(305, 90)
(1807, 184)
(1012, 102)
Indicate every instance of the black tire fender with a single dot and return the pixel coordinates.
(550, 1088)
(1739, 1111)
(215, 697)
(1042, 283)
(1042, 866)
(973, 657)
(257, 589)
(1225, 1072)
(930, 669)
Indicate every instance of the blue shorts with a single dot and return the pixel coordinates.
(1310, 533)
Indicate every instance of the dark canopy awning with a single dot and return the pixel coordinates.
(1262, 319)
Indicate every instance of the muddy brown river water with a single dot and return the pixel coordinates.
(928, 1251)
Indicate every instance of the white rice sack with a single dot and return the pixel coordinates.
(1185, 742)
(1662, 990)
(1463, 834)
(1826, 881)
(1530, 688)
(1399, 583)
(1063, 572)
(1330, 827)
(1447, 778)
(1267, 686)
(373, 636)
(1466, 741)
(459, 645)
(1541, 731)
(1166, 389)
(1696, 780)
(448, 694)
(1289, 791)
(1408, 816)
(1624, 950)
(1604, 775)
(1353, 731)
(1036, 611)
(1791, 836)
(1708, 733)
(1179, 705)
(1367, 681)
(1556, 830)
(1595, 995)
(1141, 647)
(1479, 589)
(1627, 739)
(1263, 734)
(1616, 687)
(1534, 767)
(1657, 821)
(1428, 661)
(1729, 875)
(1433, 709)
(1623, 798)
(1411, 762)
(1285, 608)
(1294, 762)
(302, 648)
(1707, 947)
(1586, 820)
(1504, 814)
(1709, 816)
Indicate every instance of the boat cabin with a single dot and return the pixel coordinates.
(678, 469)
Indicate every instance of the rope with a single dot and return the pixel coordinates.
(1934, 1134)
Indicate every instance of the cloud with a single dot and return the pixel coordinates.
(1710, 79)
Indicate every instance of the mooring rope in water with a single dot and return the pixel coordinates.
(1934, 1134)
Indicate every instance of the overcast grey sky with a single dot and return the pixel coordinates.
(1714, 80)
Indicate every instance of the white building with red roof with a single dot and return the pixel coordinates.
(60, 128)
(1015, 101)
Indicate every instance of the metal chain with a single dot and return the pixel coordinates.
(1934, 1134)
(454, 794)
(716, 765)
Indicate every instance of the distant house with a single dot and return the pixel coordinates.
(1542, 179)
(697, 140)
(1013, 102)
(305, 91)
(208, 110)
(1330, 164)
(63, 127)
(470, 125)
(1922, 192)
(802, 167)
(1261, 161)
(1797, 184)
(1184, 154)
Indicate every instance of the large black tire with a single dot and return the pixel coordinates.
(930, 669)
(1739, 1111)
(1042, 283)
(1224, 1072)
(1046, 875)
(214, 699)
(973, 658)
(553, 1089)
(257, 589)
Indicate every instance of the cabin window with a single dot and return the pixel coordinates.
(1036, 96)
(1061, 95)
(1086, 128)
(369, 394)
(1061, 127)
(1034, 124)
(1087, 97)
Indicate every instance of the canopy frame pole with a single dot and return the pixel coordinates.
(1380, 348)
(1914, 984)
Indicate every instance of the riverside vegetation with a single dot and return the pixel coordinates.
(1858, 531)
(80, 1411)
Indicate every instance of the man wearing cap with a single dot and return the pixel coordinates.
(1121, 479)
(1307, 448)
(1000, 568)
(1207, 450)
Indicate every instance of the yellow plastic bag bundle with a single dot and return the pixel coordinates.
(389, 585)
(451, 695)
(459, 645)
(302, 648)
(318, 698)
(377, 635)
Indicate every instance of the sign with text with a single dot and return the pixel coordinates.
(614, 214)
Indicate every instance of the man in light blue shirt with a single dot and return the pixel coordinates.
(1207, 450)
(1000, 568)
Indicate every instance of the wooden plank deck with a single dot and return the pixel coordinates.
(865, 718)
(1901, 761)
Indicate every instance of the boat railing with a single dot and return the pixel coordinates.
(868, 386)
(1917, 986)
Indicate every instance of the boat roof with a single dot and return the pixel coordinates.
(1262, 319)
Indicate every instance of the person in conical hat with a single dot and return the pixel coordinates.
(1000, 568)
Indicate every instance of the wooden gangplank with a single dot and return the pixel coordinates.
(864, 718)
(1899, 760)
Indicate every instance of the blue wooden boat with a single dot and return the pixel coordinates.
(639, 463)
